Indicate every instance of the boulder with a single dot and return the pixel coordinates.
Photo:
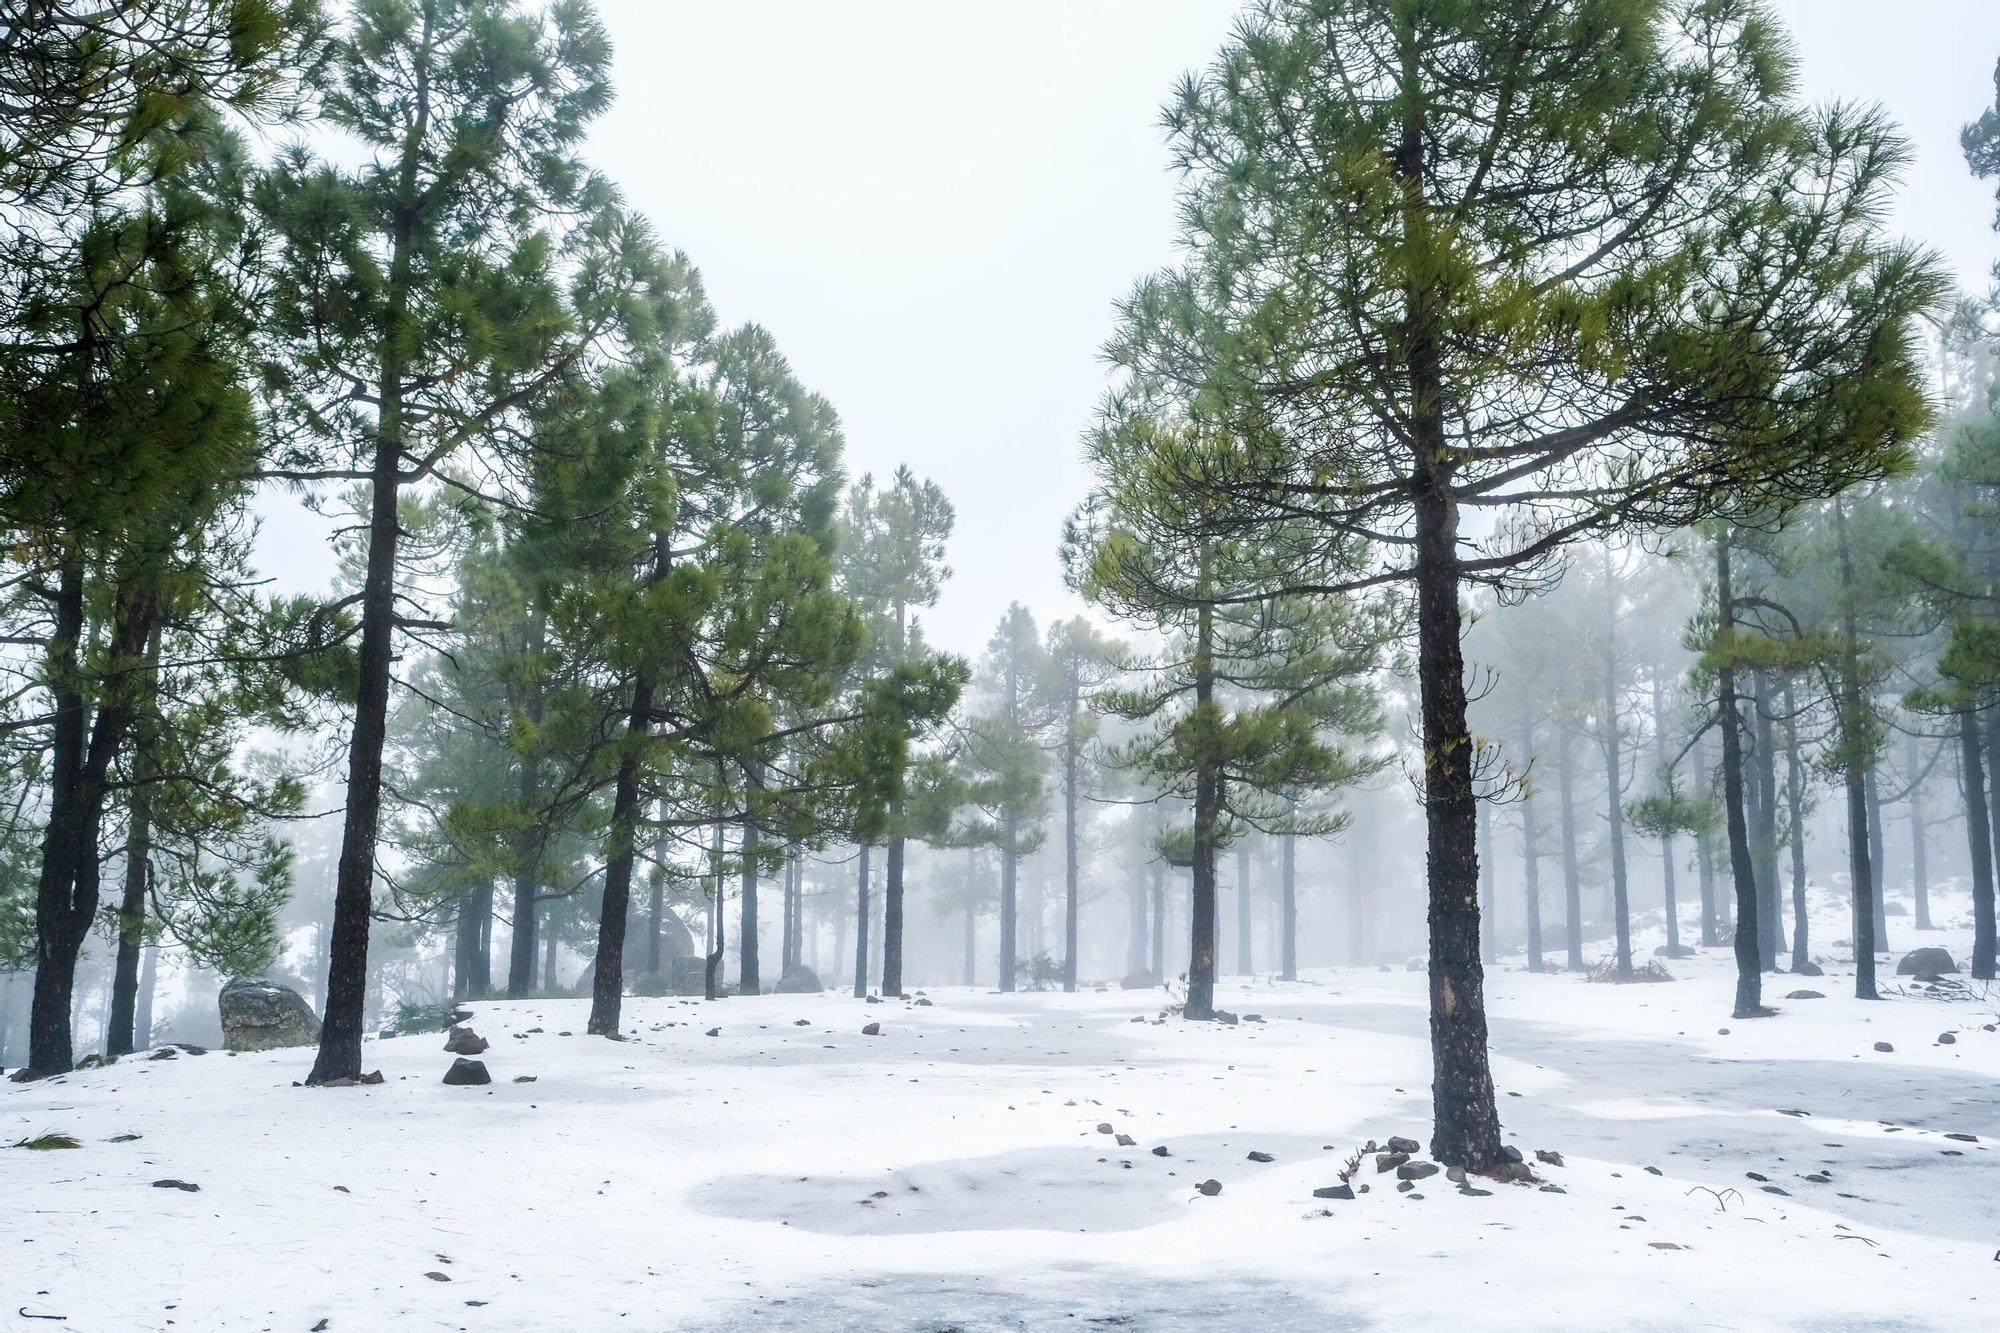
(1416, 1170)
(1804, 995)
(798, 979)
(464, 1041)
(260, 1015)
(466, 1073)
(688, 976)
(1139, 980)
(1808, 969)
(1929, 961)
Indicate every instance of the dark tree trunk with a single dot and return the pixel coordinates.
(464, 945)
(1704, 852)
(1071, 744)
(1010, 827)
(120, 1037)
(1243, 913)
(1749, 960)
(892, 915)
(1920, 886)
(142, 1010)
(549, 942)
(749, 981)
(861, 914)
(1135, 907)
(607, 991)
(1765, 831)
(1288, 910)
(1207, 811)
(1489, 924)
(1979, 840)
(1795, 810)
(1572, 890)
(1531, 858)
(1466, 1130)
(718, 912)
(1878, 856)
(1159, 923)
(1858, 771)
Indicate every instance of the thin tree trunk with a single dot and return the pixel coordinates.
(1244, 967)
(1531, 858)
(1357, 907)
(1071, 755)
(607, 990)
(1159, 923)
(1796, 806)
(1979, 839)
(892, 913)
(142, 1011)
(1704, 851)
(1288, 910)
(749, 981)
(121, 1037)
(1572, 889)
(1208, 794)
(1749, 960)
(861, 913)
(1765, 832)
(1920, 885)
(1878, 856)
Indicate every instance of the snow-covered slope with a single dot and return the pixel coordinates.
(791, 1173)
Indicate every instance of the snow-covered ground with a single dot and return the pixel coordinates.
(791, 1173)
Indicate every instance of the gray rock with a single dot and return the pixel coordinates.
(688, 976)
(1929, 961)
(799, 979)
(1884, 1047)
(1455, 1174)
(1548, 1156)
(466, 1073)
(1400, 1144)
(464, 1041)
(1389, 1161)
(1210, 1187)
(1804, 995)
(1334, 1192)
(871, 1029)
(1262, 1157)
(1947, 1039)
(1161, 1151)
(1127, 1141)
(1139, 980)
(1808, 969)
(260, 1015)
(1416, 1170)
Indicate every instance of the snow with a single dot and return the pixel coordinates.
(948, 1174)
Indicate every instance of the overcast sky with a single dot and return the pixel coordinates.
(933, 205)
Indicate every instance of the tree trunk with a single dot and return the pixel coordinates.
(1878, 855)
(1572, 890)
(1795, 808)
(749, 981)
(1207, 808)
(142, 1010)
(607, 991)
(1357, 907)
(1159, 922)
(892, 913)
(1704, 851)
(1920, 886)
(861, 913)
(1071, 745)
(1010, 826)
(1244, 967)
(1979, 839)
(1489, 924)
(1531, 858)
(120, 1037)
(1749, 960)
(1765, 830)
(1288, 910)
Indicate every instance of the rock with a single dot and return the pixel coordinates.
(873, 999)
(1929, 961)
(1389, 1161)
(464, 1041)
(1405, 1186)
(1253, 1018)
(1509, 1152)
(466, 1073)
(1804, 995)
(1455, 1174)
(1161, 1151)
(1963, 1138)
(1774, 1189)
(1654, 1171)
(1226, 1018)
(1554, 1189)
(1140, 979)
(1127, 1141)
(94, 1060)
(1210, 1187)
(1334, 1192)
(1808, 969)
(1262, 1157)
(1474, 1192)
(924, 1001)
(1884, 1047)
(1947, 1039)
(1416, 1170)
(1515, 1171)
(260, 1015)
(25, 1075)
(1548, 1157)
(1894, 909)
(1104, 1127)
(871, 1029)
(1398, 1144)
(713, 1032)
(186, 1186)
(799, 979)
(688, 975)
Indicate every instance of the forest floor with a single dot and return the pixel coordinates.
(790, 1173)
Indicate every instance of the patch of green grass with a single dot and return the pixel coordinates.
(50, 1142)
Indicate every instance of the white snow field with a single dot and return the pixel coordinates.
(790, 1173)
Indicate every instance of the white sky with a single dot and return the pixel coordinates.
(932, 206)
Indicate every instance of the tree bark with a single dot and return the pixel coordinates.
(120, 1038)
(607, 990)
(1796, 809)
(1749, 960)
(861, 913)
(1920, 885)
(1288, 910)
(1765, 830)
(1704, 852)
(1979, 840)
(1878, 855)
(749, 979)
(1071, 755)
(1572, 889)
(1244, 965)
(1489, 925)
(892, 914)
(1531, 858)
(1207, 808)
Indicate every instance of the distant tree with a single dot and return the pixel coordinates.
(1079, 660)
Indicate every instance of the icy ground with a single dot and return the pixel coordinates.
(949, 1174)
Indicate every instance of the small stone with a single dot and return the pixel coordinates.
(1397, 1144)
(371, 1078)
(1804, 995)
(1455, 1174)
(1963, 1138)
(1947, 1039)
(1161, 1151)
(1211, 1188)
(184, 1185)
(1389, 1161)
(923, 1002)
(1334, 1192)
(466, 1073)
(1774, 1189)
(1515, 1171)
(1554, 1189)
(1405, 1186)
(1510, 1153)
(464, 1041)
(1127, 1141)
(871, 1030)
(716, 1032)
(1262, 1157)
(1548, 1157)
(1663, 1245)
(436, 1276)
(1884, 1047)
(1755, 1176)
(1654, 1171)
(802, 1022)
(1474, 1192)
(1226, 1018)
(1104, 1127)
(1416, 1170)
